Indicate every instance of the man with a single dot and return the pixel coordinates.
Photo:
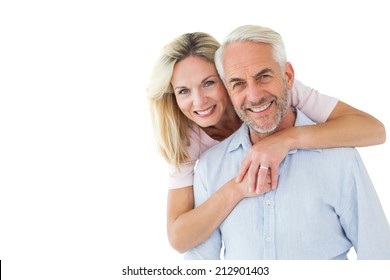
(325, 202)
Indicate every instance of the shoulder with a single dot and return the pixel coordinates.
(331, 169)
(343, 154)
(316, 105)
(337, 159)
(199, 142)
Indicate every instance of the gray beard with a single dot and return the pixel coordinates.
(282, 104)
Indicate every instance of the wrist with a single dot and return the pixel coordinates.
(233, 191)
(292, 137)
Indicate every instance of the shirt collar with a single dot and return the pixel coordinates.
(241, 136)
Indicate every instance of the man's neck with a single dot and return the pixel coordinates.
(288, 121)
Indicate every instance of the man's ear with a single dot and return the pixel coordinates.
(289, 72)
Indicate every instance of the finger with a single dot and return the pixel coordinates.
(274, 177)
(253, 175)
(269, 180)
(243, 169)
(261, 180)
(263, 187)
(268, 184)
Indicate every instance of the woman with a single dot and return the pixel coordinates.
(191, 112)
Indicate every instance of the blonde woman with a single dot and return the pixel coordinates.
(191, 111)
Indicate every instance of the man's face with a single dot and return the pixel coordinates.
(257, 86)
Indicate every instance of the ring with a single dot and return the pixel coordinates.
(264, 167)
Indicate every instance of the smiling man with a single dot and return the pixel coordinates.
(325, 203)
(258, 86)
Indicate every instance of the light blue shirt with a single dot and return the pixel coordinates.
(325, 203)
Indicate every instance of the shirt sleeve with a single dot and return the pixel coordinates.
(362, 217)
(184, 175)
(181, 177)
(211, 248)
(315, 105)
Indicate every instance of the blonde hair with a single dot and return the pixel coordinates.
(170, 125)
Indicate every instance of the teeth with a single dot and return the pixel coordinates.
(261, 109)
(206, 111)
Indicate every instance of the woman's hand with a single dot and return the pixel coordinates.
(246, 191)
(262, 161)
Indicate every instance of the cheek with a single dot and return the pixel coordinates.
(224, 100)
(223, 96)
(236, 100)
(183, 104)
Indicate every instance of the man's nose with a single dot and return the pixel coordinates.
(253, 93)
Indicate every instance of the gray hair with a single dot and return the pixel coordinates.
(253, 33)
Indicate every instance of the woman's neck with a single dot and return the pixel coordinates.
(228, 124)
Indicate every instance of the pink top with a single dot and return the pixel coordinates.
(315, 105)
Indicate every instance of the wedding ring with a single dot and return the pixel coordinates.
(264, 167)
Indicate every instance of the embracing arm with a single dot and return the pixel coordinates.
(189, 226)
(345, 127)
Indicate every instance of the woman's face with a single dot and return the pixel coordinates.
(199, 91)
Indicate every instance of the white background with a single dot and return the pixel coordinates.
(82, 188)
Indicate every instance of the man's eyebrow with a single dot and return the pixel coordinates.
(232, 80)
(263, 71)
(260, 73)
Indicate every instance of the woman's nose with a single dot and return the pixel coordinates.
(199, 98)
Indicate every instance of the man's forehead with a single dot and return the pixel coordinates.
(246, 57)
(243, 47)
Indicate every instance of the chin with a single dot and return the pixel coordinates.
(206, 123)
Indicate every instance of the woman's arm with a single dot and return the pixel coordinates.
(188, 227)
(345, 127)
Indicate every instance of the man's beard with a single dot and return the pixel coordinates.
(282, 104)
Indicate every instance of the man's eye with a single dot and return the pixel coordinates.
(263, 77)
(238, 84)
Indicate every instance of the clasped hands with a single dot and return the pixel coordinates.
(259, 170)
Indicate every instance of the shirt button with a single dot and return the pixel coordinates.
(268, 239)
(268, 202)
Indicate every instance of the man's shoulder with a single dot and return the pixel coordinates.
(339, 158)
(342, 152)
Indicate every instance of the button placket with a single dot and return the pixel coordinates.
(269, 225)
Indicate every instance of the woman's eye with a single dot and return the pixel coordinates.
(209, 83)
(184, 91)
